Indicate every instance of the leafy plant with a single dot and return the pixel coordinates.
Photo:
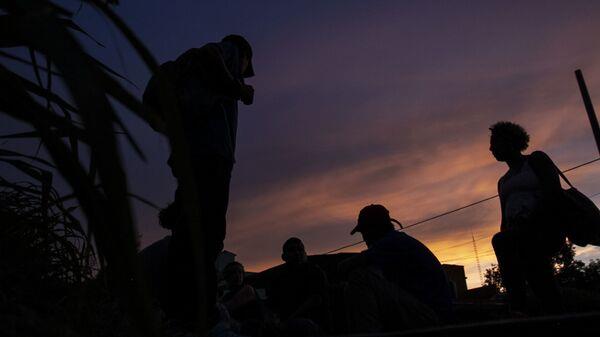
(86, 119)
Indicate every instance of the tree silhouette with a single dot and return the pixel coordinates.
(569, 272)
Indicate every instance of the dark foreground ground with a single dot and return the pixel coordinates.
(583, 324)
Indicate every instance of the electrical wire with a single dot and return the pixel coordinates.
(458, 209)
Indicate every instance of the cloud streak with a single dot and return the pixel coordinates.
(386, 103)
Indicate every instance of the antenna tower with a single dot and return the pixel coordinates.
(477, 259)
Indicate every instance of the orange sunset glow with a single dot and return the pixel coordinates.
(387, 103)
(361, 102)
(300, 168)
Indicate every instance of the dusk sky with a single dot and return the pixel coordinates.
(361, 102)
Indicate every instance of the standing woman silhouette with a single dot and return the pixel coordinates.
(530, 232)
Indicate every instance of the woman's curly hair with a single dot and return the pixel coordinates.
(512, 132)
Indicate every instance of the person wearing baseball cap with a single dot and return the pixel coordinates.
(373, 222)
(397, 283)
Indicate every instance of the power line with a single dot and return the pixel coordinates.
(458, 209)
(581, 165)
(470, 257)
(462, 244)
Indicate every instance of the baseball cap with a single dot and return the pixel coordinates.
(373, 216)
(245, 48)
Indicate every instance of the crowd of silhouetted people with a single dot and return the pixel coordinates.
(397, 283)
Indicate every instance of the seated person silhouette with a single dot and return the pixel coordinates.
(397, 283)
(299, 290)
(154, 258)
(240, 299)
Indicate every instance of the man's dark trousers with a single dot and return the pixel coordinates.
(212, 175)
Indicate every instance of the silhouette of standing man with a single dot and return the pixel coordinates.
(208, 82)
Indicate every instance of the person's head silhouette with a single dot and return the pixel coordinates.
(373, 223)
(508, 140)
(233, 273)
(246, 68)
(293, 252)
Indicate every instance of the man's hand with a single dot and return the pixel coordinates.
(247, 94)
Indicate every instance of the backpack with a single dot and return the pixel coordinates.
(150, 99)
(581, 215)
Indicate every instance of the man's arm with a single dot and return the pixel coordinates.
(207, 62)
(502, 220)
(310, 303)
(546, 171)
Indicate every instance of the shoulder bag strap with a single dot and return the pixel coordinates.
(562, 175)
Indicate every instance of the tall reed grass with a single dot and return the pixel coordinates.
(81, 116)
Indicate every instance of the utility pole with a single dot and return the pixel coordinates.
(589, 107)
